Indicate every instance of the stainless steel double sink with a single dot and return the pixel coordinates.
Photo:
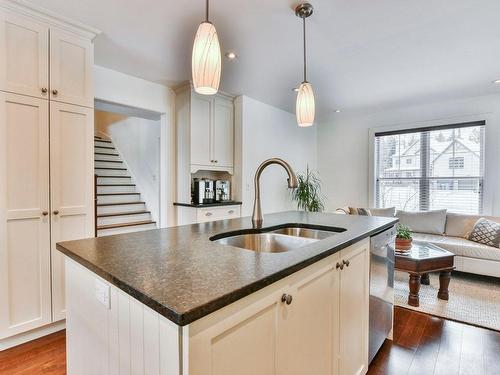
(278, 240)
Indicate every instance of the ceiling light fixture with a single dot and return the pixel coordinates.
(496, 81)
(231, 55)
(304, 106)
(338, 111)
(206, 58)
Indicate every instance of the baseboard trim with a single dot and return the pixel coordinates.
(34, 334)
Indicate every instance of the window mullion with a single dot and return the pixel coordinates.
(424, 171)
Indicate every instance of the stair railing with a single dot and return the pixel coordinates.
(95, 205)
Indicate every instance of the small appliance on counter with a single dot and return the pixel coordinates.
(203, 191)
(222, 191)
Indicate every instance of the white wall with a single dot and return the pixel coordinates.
(116, 87)
(138, 141)
(262, 132)
(344, 146)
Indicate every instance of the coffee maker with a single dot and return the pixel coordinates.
(222, 190)
(203, 191)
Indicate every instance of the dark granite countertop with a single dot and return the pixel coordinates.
(216, 204)
(184, 276)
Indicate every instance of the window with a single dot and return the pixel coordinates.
(456, 162)
(431, 168)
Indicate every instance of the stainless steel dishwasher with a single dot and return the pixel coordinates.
(381, 288)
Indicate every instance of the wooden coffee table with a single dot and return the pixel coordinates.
(421, 259)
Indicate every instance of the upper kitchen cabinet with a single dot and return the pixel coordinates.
(24, 61)
(71, 60)
(205, 131)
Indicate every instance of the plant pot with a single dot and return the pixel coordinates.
(403, 243)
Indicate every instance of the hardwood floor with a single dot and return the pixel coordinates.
(427, 345)
(422, 345)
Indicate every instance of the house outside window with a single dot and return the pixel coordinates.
(446, 168)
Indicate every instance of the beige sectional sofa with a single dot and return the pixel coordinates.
(450, 231)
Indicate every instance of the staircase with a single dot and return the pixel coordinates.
(119, 205)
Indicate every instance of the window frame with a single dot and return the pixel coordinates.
(485, 203)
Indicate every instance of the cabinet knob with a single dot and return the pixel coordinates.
(56, 212)
(44, 90)
(346, 262)
(286, 298)
(208, 214)
(55, 92)
(339, 265)
(230, 212)
(216, 161)
(45, 213)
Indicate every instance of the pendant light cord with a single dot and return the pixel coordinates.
(206, 13)
(305, 62)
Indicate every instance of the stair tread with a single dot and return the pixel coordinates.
(107, 194)
(102, 140)
(109, 161)
(115, 185)
(111, 168)
(125, 213)
(105, 147)
(134, 223)
(113, 176)
(119, 203)
(103, 153)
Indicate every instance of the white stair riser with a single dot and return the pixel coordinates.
(123, 219)
(113, 180)
(106, 157)
(105, 150)
(118, 198)
(98, 143)
(120, 208)
(110, 172)
(135, 228)
(107, 164)
(115, 189)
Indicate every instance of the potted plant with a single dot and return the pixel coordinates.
(403, 237)
(308, 192)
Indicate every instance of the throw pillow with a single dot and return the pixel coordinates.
(383, 212)
(486, 232)
(432, 222)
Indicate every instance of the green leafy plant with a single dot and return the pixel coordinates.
(403, 232)
(308, 192)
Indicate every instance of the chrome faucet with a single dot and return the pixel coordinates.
(257, 218)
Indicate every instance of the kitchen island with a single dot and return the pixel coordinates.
(174, 301)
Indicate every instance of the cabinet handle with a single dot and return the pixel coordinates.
(55, 92)
(45, 213)
(286, 298)
(230, 212)
(44, 90)
(208, 214)
(56, 212)
(346, 262)
(339, 265)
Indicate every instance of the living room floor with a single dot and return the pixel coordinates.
(423, 345)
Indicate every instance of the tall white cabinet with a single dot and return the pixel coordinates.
(46, 161)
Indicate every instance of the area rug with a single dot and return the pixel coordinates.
(473, 299)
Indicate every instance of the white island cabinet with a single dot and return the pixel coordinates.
(314, 321)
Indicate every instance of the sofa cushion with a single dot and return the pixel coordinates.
(486, 232)
(383, 212)
(432, 222)
(460, 246)
(460, 225)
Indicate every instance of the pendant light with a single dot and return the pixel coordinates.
(206, 58)
(304, 106)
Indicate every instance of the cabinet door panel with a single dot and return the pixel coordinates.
(354, 307)
(243, 344)
(24, 61)
(24, 230)
(223, 132)
(71, 60)
(71, 183)
(201, 119)
(309, 329)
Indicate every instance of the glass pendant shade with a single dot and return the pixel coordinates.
(305, 108)
(206, 60)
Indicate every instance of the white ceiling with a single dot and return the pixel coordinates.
(363, 54)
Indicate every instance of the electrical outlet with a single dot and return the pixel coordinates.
(102, 291)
